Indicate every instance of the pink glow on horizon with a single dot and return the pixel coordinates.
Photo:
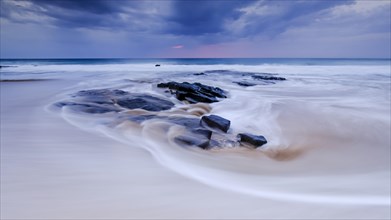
(177, 46)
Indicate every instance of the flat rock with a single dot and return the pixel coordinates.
(216, 122)
(255, 140)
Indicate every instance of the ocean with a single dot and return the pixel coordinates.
(328, 125)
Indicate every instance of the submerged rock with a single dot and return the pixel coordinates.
(199, 74)
(88, 108)
(215, 121)
(156, 65)
(245, 84)
(194, 92)
(254, 140)
(192, 141)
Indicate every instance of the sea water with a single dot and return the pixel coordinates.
(327, 125)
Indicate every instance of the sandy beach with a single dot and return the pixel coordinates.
(53, 170)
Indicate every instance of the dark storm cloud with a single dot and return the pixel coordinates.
(73, 13)
(89, 6)
(202, 17)
(196, 18)
(274, 17)
(178, 17)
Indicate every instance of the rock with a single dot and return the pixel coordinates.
(100, 93)
(245, 84)
(215, 121)
(192, 141)
(195, 135)
(146, 102)
(194, 92)
(157, 65)
(141, 118)
(203, 132)
(211, 91)
(194, 97)
(198, 74)
(259, 77)
(254, 140)
(88, 108)
(105, 100)
(188, 123)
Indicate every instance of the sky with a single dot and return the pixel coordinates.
(195, 29)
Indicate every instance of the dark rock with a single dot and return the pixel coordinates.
(146, 102)
(214, 121)
(254, 140)
(192, 141)
(198, 74)
(87, 108)
(100, 96)
(189, 123)
(211, 91)
(259, 77)
(106, 99)
(194, 92)
(157, 65)
(203, 132)
(101, 92)
(194, 97)
(141, 118)
(218, 71)
(245, 84)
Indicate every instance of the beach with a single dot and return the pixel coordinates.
(327, 156)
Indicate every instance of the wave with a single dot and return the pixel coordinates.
(328, 128)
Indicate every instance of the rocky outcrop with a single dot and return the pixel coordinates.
(104, 100)
(205, 132)
(194, 92)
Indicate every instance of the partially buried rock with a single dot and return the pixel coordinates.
(215, 121)
(254, 140)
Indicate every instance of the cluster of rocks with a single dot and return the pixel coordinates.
(209, 131)
(105, 100)
(244, 79)
(205, 132)
(194, 92)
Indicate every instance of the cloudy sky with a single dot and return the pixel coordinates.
(186, 28)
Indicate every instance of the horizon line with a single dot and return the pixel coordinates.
(124, 58)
